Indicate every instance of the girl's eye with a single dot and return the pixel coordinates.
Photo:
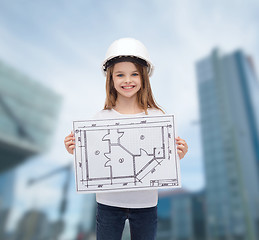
(135, 74)
(119, 75)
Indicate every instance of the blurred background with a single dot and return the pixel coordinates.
(206, 56)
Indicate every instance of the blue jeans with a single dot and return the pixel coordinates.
(110, 222)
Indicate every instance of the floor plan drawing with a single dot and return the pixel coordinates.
(126, 154)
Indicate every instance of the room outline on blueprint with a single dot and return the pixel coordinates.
(126, 154)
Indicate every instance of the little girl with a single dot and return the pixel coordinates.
(128, 93)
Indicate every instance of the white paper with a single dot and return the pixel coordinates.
(126, 154)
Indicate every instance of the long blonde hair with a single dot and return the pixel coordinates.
(144, 95)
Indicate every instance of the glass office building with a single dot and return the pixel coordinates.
(228, 98)
(28, 115)
(181, 215)
(6, 189)
(6, 198)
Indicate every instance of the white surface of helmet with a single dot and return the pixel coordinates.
(128, 47)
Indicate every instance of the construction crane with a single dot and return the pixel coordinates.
(63, 203)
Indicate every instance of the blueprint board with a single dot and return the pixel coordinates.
(126, 154)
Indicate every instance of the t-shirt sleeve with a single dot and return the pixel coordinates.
(98, 115)
(156, 112)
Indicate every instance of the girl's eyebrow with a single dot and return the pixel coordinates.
(123, 72)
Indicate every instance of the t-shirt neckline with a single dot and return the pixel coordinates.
(141, 113)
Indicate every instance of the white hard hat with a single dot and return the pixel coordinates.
(127, 49)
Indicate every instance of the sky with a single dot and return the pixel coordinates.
(62, 44)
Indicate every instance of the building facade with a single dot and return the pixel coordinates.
(28, 114)
(181, 215)
(228, 98)
(7, 184)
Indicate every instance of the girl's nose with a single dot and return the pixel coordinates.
(127, 79)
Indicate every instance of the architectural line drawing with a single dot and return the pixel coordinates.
(126, 154)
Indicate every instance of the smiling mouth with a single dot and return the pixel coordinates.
(128, 87)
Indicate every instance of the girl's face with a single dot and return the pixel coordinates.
(126, 79)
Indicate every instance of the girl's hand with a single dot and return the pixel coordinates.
(182, 147)
(70, 143)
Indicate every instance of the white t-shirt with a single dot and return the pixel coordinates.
(127, 199)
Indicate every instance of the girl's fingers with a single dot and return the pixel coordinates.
(181, 141)
(179, 152)
(70, 149)
(72, 140)
(69, 139)
(69, 144)
(182, 148)
(70, 135)
(181, 155)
